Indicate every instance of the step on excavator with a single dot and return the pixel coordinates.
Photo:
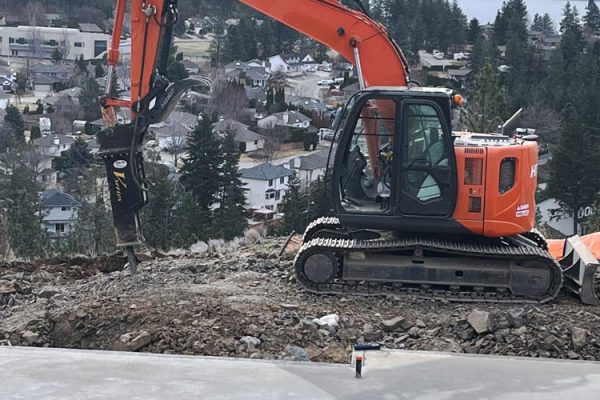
(416, 207)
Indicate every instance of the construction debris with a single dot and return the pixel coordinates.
(243, 302)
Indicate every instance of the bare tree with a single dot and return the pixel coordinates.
(5, 250)
(66, 111)
(37, 16)
(544, 120)
(65, 46)
(229, 99)
(176, 147)
(274, 138)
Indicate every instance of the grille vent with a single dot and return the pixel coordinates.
(475, 204)
(473, 171)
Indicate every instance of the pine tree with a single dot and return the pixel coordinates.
(571, 42)
(176, 70)
(574, 168)
(99, 71)
(19, 198)
(158, 217)
(216, 49)
(88, 99)
(13, 122)
(56, 55)
(81, 66)
(486, 107)
(229, 216)
(201, 170)
(318, 202)
(294, 207)
(474, 32)
(78, 155)
(592, 17)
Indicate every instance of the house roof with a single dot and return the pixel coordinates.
(257, 93)
(51, 69)
(459, 72)
(294, 117)
(310, 104)
(86, 27)
(265, 172)
(45, 80)
(56, 198)
(313, 161)
(241, 131)
(257, 74)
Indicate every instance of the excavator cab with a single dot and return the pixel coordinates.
(394, 160)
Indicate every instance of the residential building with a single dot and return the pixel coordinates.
(265, 186)
(244, 137)
(309, 168)
(4, 100)
(48, 178)
(310, 104)
(191, 67)
(459, 75)
(53, 145)
(293, 62)
(212, 24)
(41, 42)
(59, 212)
(256, 75)
(550, 214)
(292, 119)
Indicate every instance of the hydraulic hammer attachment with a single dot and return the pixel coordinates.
(580, 269)
(126, 183)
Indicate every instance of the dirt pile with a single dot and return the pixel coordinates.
(242, 301)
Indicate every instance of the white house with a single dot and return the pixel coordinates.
(293, 62)
(309, 168)
(292, 119)
(59, 212)
(4, 100)
(266, 185)
(252, 140)
(40, 42)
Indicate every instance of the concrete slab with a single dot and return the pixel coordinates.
(33, 373)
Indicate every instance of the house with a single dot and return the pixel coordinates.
(256, 75)
(256, 93)
(265, 186)
(310, 104)
(293, 62)
(48, 178)
(212, 24)
(51, 77)
(59, 212)
(309, 168)
(292, 119)
(550, 214)
(244, 137)
(459, 75)
(174, 130)
(431, 62)
(46, 84)
(4, 100)
(52, 146)
(41, 42)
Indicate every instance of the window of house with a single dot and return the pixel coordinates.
(270, 194)
(65, 208)
(282, 179)
(78, 44)
(270, 182)
(255, 142)
(269, 207)
(278, 195)
(11, 40)
(59, 228)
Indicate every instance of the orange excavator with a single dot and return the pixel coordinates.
(416, 207)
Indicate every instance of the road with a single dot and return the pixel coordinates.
(307, 86)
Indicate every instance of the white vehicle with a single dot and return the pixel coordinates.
(325, 82)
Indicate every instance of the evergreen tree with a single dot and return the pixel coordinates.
(56, 55)
(81, 65)
(294, 207)
(158, 216)
(21, 85)
(592, 17)
(216, 49)
(574, 168)
(201, 170)
(486, 108)
(21, 204)
(13, 122)
(89, 99)
(176, 70)
(229, 216)
(77, 156)
(543, 24)
(318, 202)
(474, 32)
(99, 71)
(571, 42)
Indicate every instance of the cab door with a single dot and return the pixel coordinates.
(427, 181)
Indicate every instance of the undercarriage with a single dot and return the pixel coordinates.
(334, 260)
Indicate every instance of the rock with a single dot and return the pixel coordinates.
(251, 342)
(521, 331)
(572, 355)
(479, 320)
(295, 353)
(414, 332)
(395, 323)
(287, 306)
(421, 324)
(30, 337)
(516, 317)
(126, 343)
(579, 337)
(551, 343)
(348, 334)
(330, 320)
(48, 292)
(7, 288)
